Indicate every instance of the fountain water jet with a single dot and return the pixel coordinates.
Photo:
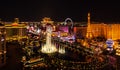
(61, 50)
(48, 47)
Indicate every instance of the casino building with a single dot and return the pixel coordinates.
(15, 30)
(97, 29)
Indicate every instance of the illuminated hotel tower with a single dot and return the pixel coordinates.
(89, 33)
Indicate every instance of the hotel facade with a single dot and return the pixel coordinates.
(106, 30)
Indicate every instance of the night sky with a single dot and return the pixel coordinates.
(59, 10)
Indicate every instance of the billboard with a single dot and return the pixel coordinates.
(64, 28)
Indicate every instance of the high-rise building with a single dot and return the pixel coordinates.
(15, 30)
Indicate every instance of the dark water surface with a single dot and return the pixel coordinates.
(14, 54)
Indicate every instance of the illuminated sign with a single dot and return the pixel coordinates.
(109, 43)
